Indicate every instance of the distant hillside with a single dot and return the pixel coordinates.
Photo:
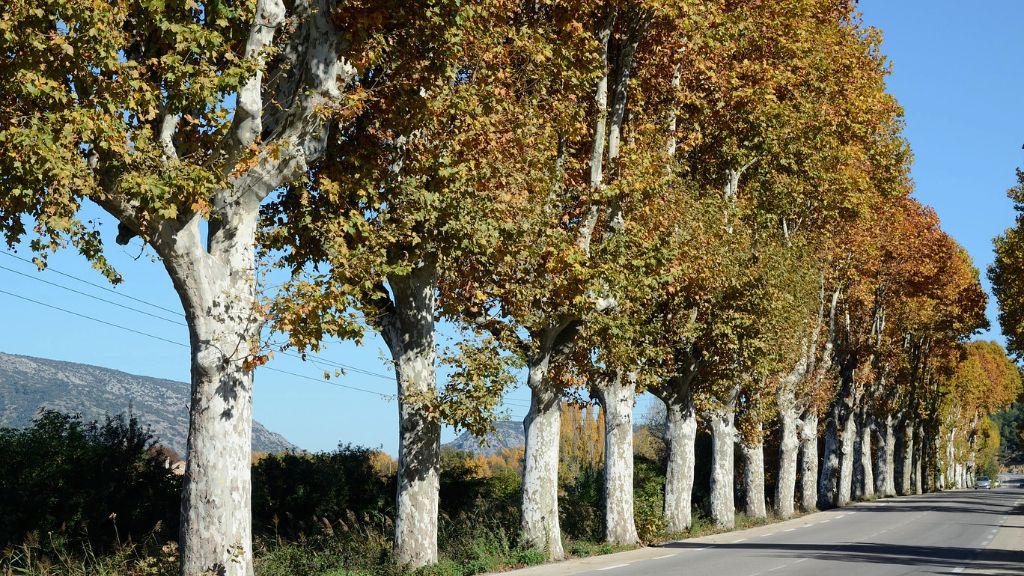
(28, 384)
(505, 435)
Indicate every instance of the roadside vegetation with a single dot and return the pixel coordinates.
(709, 201)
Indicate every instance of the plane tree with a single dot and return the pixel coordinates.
(177, 119)
(434, 172)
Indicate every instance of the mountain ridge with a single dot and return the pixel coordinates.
(506, 434)
(29, 384)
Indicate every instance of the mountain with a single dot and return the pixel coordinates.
(505, 435)
(28, 384)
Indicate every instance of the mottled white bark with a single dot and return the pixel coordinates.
(408, 330)
(866, 477)
(884, 457)
(216, 281)
(618, 397)
(789, 447)
(723, 440)
(950, 464)
(809, 461)
(828, 484)
(846, 461)
(789, 443)
(542, 425)
(857, 486)
(681, 434)
(906, 459)
(752, 452)
(216, 524)
(216, 284)
(918, 458)
(601, 105)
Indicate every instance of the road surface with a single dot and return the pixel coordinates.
(956, 532)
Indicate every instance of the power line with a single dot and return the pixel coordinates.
(335, 364)
(325, 381)
(80, 315)
(176, 343)
(312, 358)
(93, 284)
(87, 295)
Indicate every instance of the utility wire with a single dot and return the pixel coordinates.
(346, 367)
(93, 284)
(80, 315)
(176, 343)
(182, 345)
(87, 295)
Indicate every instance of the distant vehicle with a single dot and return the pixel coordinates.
(983, 482)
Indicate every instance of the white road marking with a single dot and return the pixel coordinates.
(801, 560)
(790, 530)
(740, 540)
(612, 567)
(958, 569)
(663, 557)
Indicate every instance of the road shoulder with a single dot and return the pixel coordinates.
(678, 547)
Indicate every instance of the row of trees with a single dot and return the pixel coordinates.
(708, 200)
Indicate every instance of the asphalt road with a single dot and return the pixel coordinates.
(957, 532)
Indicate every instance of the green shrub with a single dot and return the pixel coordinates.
(84, 483)
(294, 494)
(581, 506)
(648, 500)
(530, 557)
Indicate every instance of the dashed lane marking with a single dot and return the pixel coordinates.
(663, 557)
(612, 567)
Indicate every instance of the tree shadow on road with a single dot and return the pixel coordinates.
(995, 561)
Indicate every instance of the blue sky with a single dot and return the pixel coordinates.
(956, 71)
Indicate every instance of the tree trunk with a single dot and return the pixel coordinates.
(409, 333)
(918, 457)
(540, 462)
(859, 475)
(216, 519)
(752, 453)
(905, 458)
(884, 458)
(217, 289)
(723, 439)
(618, 397)
(867, 476)
(950, 465)
(681, 437)
(789, 446)
(849, 424)
(789, 416)
(809, 461)
(828, 485)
